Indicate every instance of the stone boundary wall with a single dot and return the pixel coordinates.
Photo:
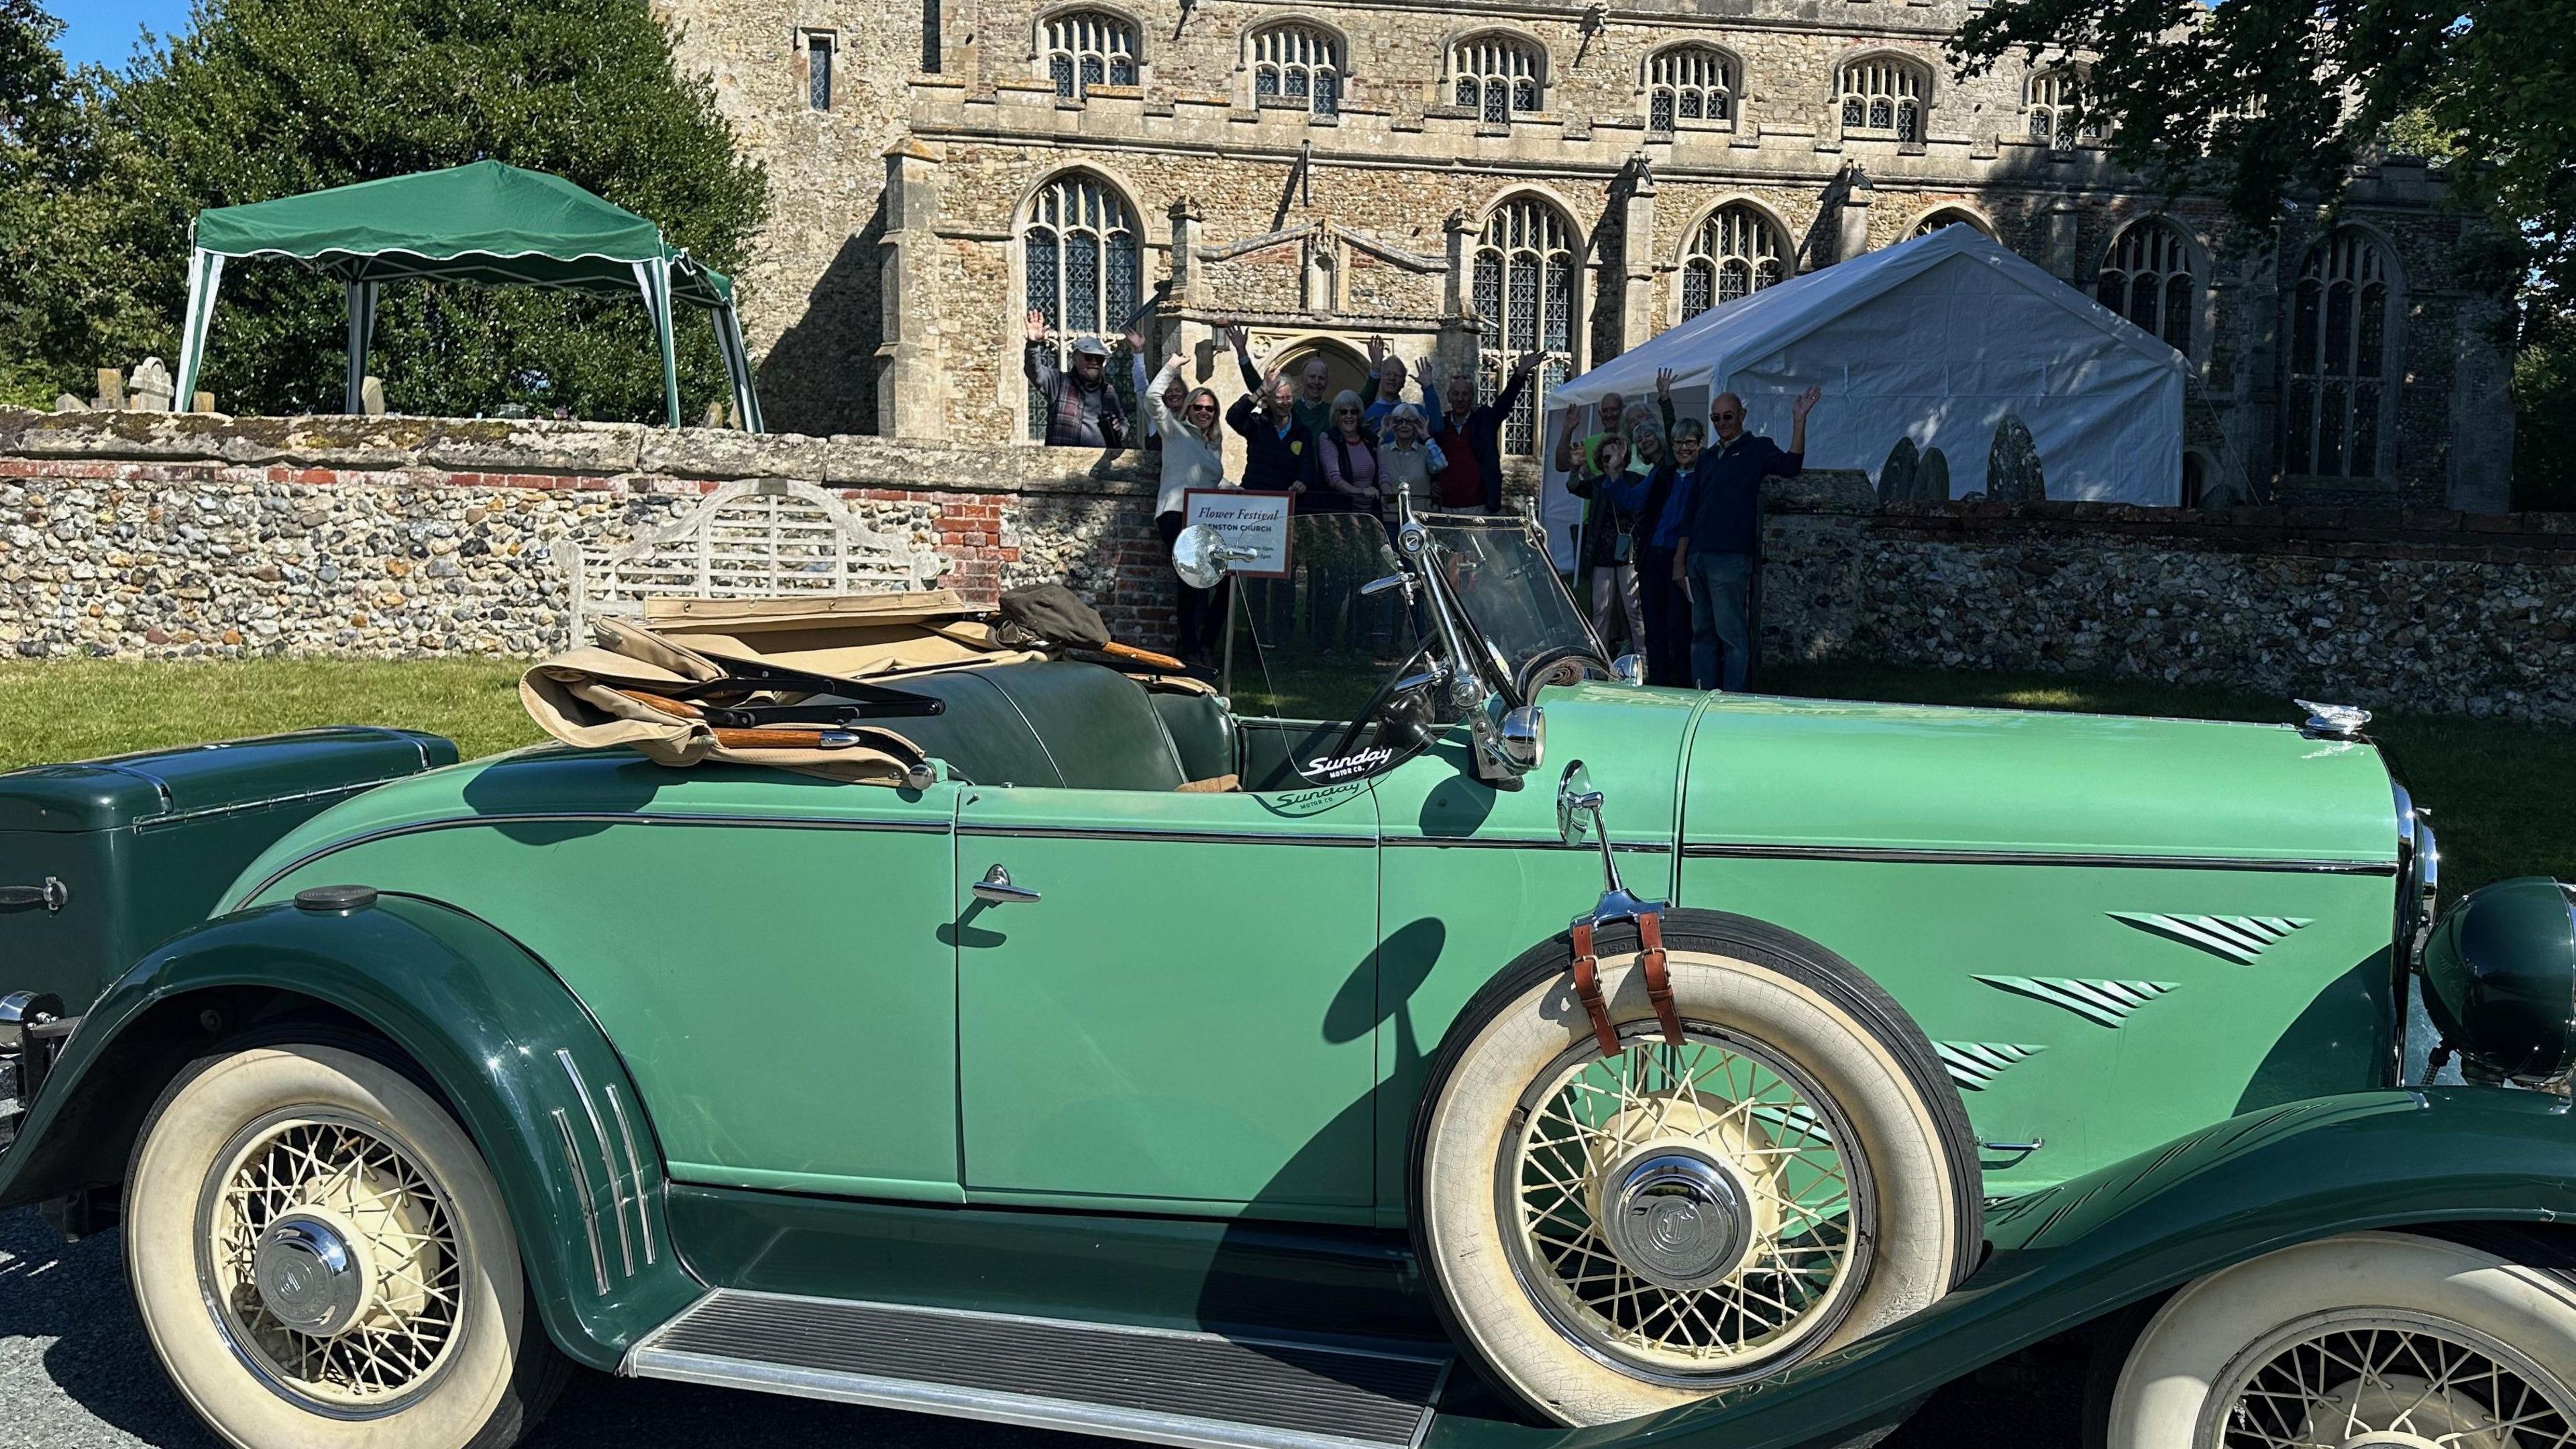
(2391, 609)
(159, 535)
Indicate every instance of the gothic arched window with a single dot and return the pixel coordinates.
(1883, 97)
(1496, 76)
(1735, 253)
(1085, 48)
(1079, 248)
(1953, 216)
(1299, 62)
(2148, 279)
(1526, 270)
(2053, 108)
(2343, 359)
(1689, 83)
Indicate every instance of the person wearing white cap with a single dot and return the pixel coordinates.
(1082, 410)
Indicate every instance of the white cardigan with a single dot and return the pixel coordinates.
(1189, 460)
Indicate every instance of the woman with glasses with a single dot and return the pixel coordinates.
(1193, 457)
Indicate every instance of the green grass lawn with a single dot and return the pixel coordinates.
(2503, 795)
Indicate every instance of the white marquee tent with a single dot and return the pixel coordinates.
(1936, 338)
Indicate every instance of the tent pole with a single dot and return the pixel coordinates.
(746, 393)
(361, 297)
(660, 301)
(205, 274)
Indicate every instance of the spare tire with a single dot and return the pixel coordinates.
(1614, 1235)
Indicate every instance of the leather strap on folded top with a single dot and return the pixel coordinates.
(1659, 984)
(1587, 989)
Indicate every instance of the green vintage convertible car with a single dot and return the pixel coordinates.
(877, 1006)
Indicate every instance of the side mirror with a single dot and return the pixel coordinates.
(1200, 555)
(1578, 805)
(1629, 669)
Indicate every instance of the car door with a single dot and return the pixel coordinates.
(1180, 1009)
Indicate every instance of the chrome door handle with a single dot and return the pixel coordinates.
(996, 889)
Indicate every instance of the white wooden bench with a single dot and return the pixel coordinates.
(763, 538)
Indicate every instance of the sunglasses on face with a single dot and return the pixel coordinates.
(1202, 407)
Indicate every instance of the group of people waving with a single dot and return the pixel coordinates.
(1672, 524)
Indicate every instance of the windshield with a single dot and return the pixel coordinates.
(1501, 575)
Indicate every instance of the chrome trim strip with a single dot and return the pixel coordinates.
(607, 1163)
(584, 817)
(1900, 856)
(1187, 837)
(581, 1191)
(1533, 842)
(954, 1401)
(1431, 1410)
(635, 1164)
(156, 822)
(1128, 1330)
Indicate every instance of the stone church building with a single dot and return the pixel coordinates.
(1467, 180)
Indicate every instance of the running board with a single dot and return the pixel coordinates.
(1198, 1390)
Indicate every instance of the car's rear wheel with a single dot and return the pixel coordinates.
(2365, 1341)
(1615, 1234)
(321, 1258)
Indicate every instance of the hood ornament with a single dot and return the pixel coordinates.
(2332, 721)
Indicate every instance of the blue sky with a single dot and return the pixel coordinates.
(103, 31)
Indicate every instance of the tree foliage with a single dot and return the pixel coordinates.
(270, 98)
(2272, 101)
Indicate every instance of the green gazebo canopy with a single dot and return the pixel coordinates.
(484, 222)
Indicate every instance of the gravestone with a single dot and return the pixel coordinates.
(68, 404)
(111, 391)
(1896, 475)
(2012, 465)
(203, 402)
(1932, 477)
(371, 397)
(151, 387)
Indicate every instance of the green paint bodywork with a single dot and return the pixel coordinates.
(480, 1016)
(1208, 1038)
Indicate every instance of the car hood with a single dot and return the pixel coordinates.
(1825, 776)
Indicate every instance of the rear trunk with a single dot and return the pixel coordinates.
(111, 857)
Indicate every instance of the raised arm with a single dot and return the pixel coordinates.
(1244, 414)
(1565, 430)
(1038, 360)
(1152, 392)
(1242, 341)
(1664, 400)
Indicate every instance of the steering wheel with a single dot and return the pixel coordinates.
(1378, 705)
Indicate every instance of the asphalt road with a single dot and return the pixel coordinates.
(75, 1373)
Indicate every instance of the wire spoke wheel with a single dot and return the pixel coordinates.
(332, 1262)
(2387, 1379)
(1688, 1213)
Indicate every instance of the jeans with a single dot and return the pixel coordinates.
(1718, 582)
(1667, 613)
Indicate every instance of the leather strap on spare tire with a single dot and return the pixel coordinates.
(1587, 989)
(1651, 965)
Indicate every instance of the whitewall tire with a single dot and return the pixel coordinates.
(2364, 1341)
(321, 1258)
(1614, 1235)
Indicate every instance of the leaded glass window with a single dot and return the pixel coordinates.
(2054, 110)
(1882, 97)
(2148, 279)
(1085, 48)
(1496, 76)
(1082, 267)
(1525, 301)
(818, 72)
(1689, 83)
(1952, 216)
(2336, 408)
(1735, 253)
(1299, 62)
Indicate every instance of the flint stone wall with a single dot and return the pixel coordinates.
(160, 535)
(2392, 609)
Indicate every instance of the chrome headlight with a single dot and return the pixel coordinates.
(2419, 879)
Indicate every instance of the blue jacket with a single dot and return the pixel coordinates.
(1726, 505)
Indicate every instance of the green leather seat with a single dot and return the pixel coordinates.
(1202, 731)
(1051, 723)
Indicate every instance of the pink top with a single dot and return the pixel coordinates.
(1363, 470)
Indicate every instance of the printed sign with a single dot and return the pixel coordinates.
(1244, 519)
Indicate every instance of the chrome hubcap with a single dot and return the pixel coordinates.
(1677, 1219)
(309, 1275)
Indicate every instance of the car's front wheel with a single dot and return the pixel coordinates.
(1615, 1233)
(321, 1258)
(2365, 1341)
